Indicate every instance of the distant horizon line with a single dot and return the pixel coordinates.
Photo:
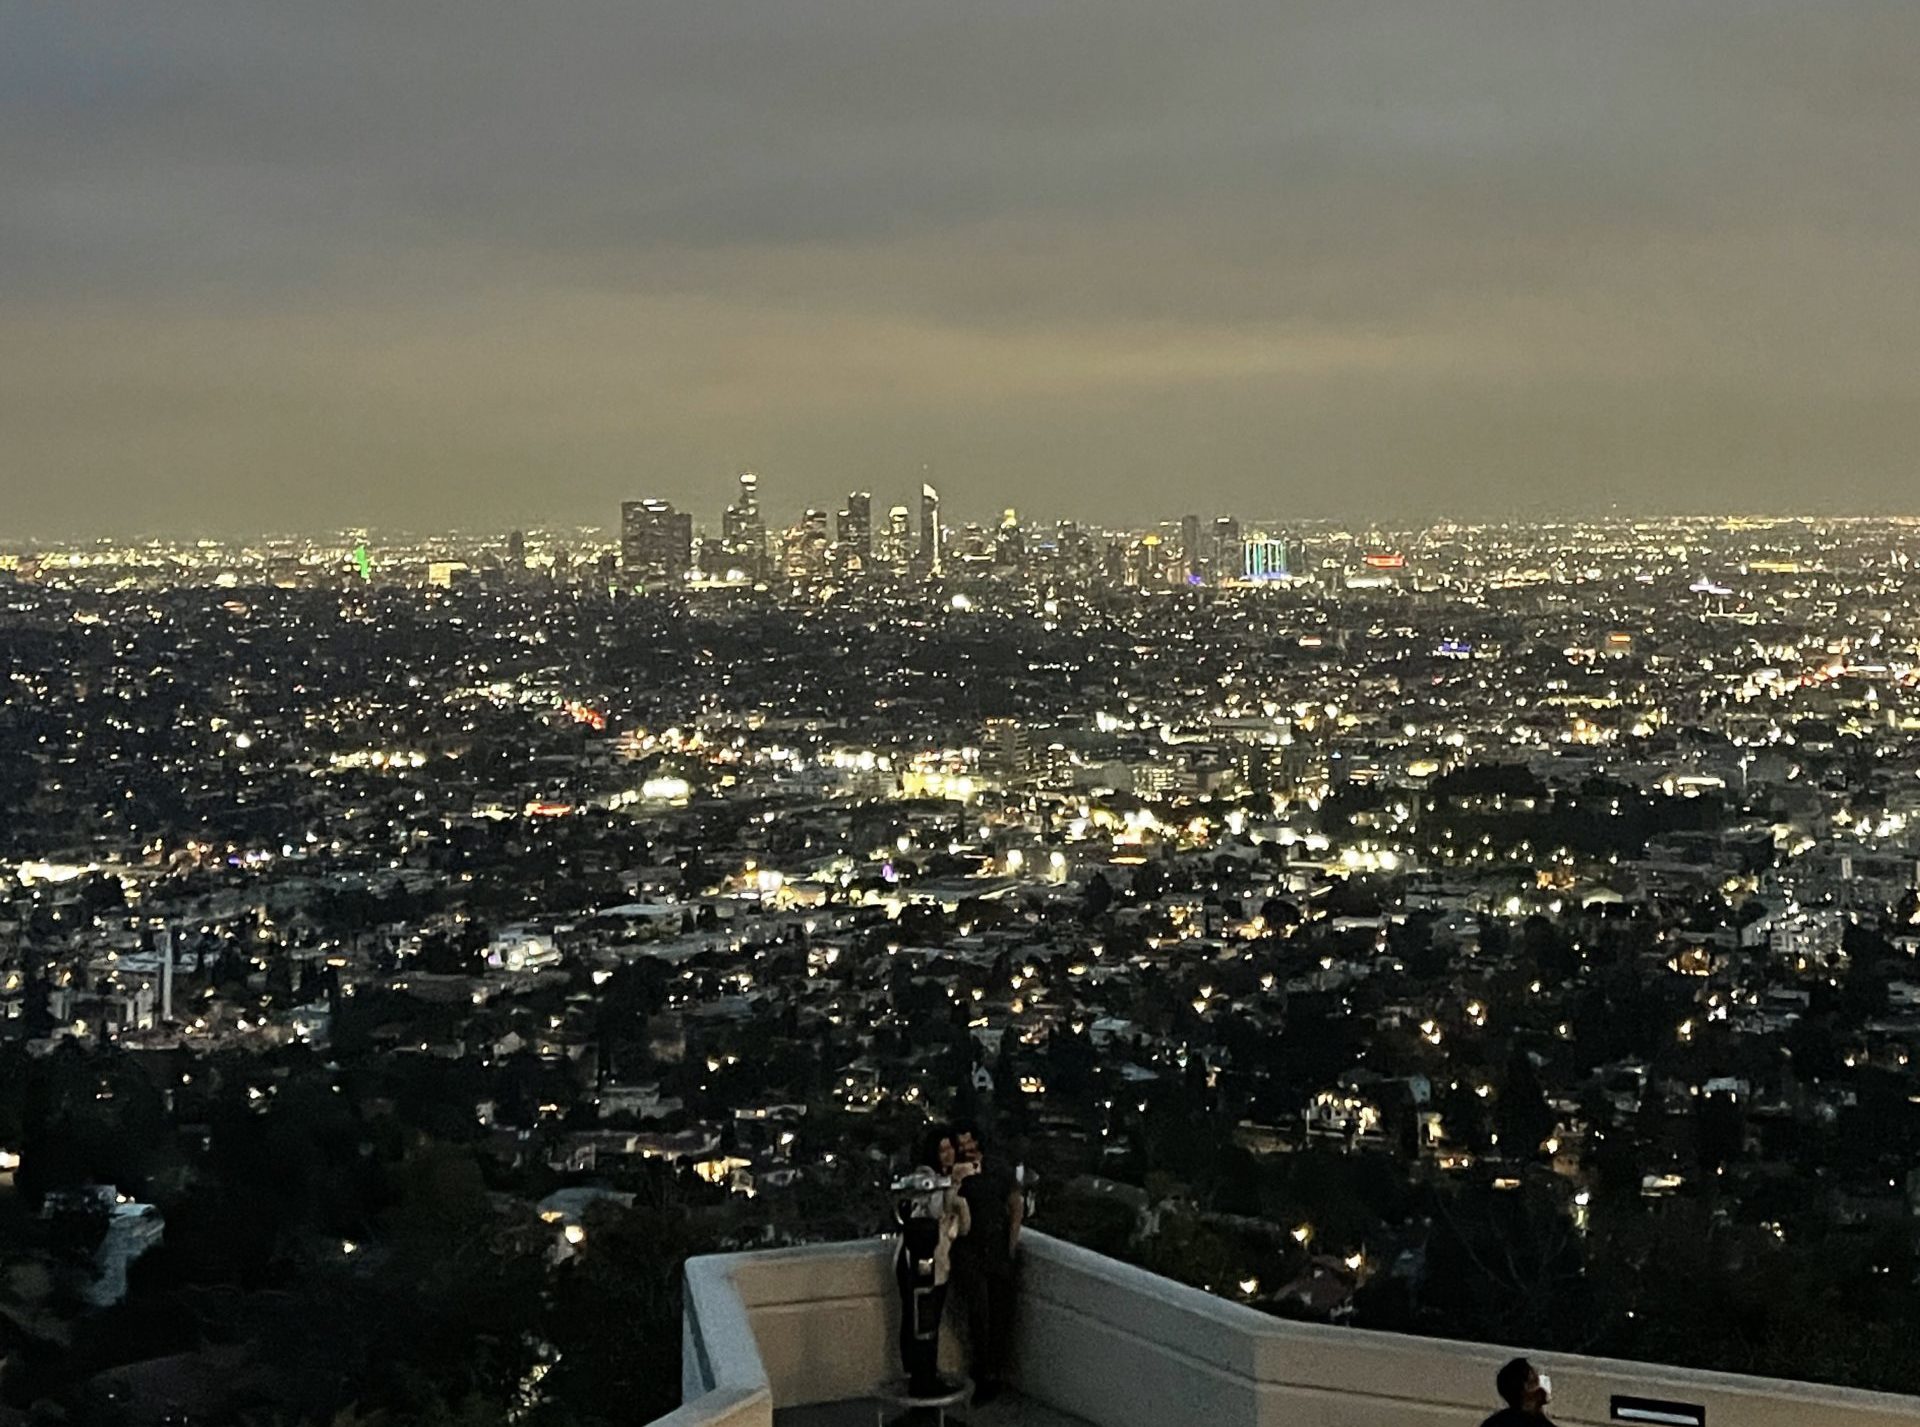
(26, 543)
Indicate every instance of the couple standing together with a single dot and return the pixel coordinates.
(959, 1225)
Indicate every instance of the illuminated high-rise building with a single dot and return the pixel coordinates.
(856, 526)
(1226, 543)
(656, 541)
(803, 548)
(813, 541)
(1263, 559)
(1146, 561)
(743, 533)
(931, 553)
(636, 534)
(897, 542)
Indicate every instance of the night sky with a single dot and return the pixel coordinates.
(273, 266)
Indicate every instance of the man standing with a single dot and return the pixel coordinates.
(984, 1261)
(1526, 1394)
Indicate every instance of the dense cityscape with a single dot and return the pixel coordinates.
(412, 948)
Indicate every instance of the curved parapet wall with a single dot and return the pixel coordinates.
(1122, 1347)
(1117, 1346)
(812, 1324)
(794, 1326)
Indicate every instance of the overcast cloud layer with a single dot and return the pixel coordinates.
(301, 266)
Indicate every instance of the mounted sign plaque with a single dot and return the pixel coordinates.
(1653, 1410)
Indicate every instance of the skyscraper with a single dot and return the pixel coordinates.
(1226, 543)
(656, 541)
(930, 548)
(807, 555)
(636, 527)
(898, 540)
(743, 532)
(1263, 558)
(856, 526)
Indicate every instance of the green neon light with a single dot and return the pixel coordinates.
(1263, 559)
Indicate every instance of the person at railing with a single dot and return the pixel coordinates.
(1526, 1393)
(933, 1214)
(986, 1264)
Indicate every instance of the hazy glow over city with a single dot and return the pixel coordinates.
(310, 266)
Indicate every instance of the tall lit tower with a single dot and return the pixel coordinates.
(635, 523)
(743, 531)
(930, 551)
(856, 525)
(811, 548)
(898, 541)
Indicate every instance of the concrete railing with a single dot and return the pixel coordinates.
(1120, 1347)
(786, 1328)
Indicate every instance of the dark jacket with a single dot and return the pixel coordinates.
(984, 1249)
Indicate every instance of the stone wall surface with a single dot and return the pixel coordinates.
(1120, 1347)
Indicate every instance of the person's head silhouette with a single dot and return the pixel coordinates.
(1522, 1388)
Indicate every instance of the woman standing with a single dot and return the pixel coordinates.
(932, 1213)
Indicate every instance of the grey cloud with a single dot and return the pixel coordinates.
(310, 264)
